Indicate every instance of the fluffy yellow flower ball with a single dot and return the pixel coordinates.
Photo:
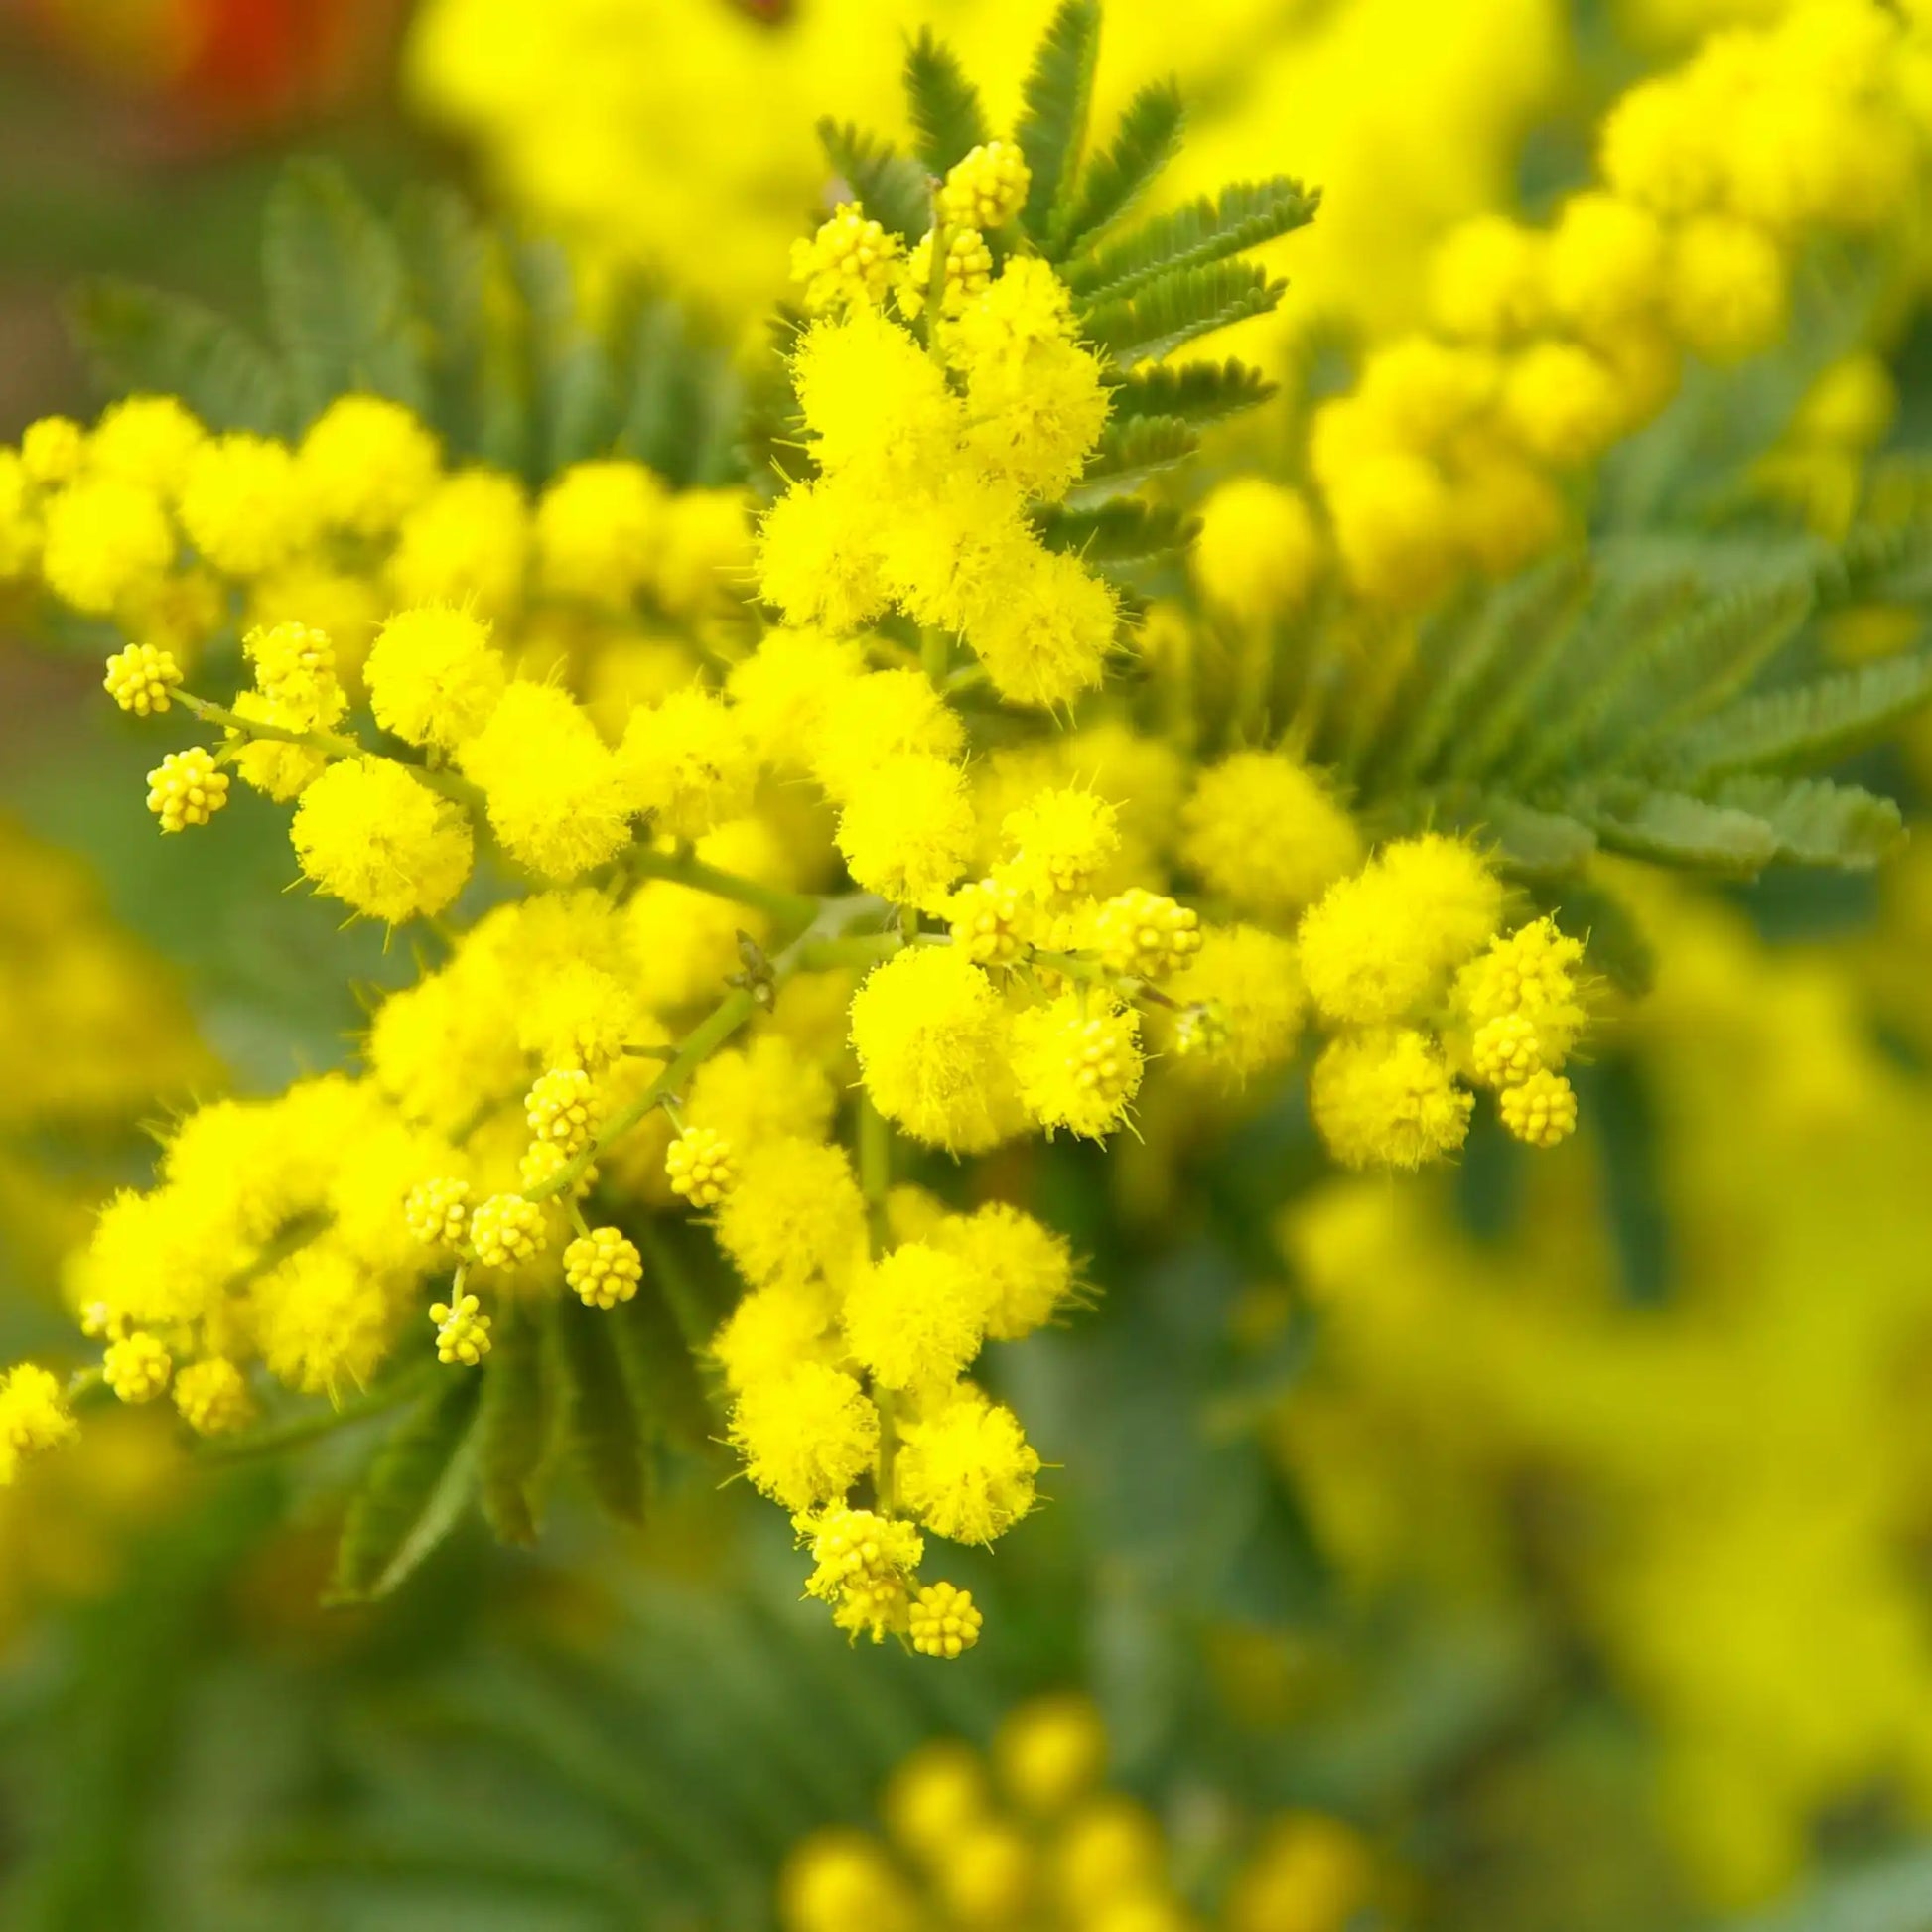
(1386, 1099)
(105, 538)
(1266, 834)
(915, 1316)
(966, 1469)
(906, 829)
(375, 836)
(365, 462)
(1258, 551)
(434, 677)
(807, 1434)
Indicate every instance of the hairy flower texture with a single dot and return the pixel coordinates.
(687, 762)
(864, 721)
(915, 1318)
(242, 504)
(599, 527)
(1239, 1004)
(1078, 1061)
(1025, 1270)
(379, 840)
(874, 402)
(770, 1330)
(966, 1469)
(1046, 640)
(467, 541)
(364, 464)
(795, 1213)
(33, 1417)
(554, 792)
(1385, 1098)
(434, 677)
(779, 693)
(1266, 834)
(106, 539)
(1058, 842)
(861, 1563)
(906, 829)
(1529, 974)
(934, 1040)
(848, 262)
(762, 1091)
(1380, 945)
(818, 558)
(807, 1434)
(324, 1323)
(52, 450)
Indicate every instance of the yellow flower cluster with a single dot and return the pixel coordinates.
(1548, 344)
(1036, 1841)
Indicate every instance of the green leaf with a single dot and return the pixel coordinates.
(1881, 563)
(1204, 231)
(1167, 313)
(1819, 823)
(657, 1365)
(945, 106)
(337, 294)
(1198, 393)
(1057, 100)
(141, 340)
(1533, 842)
(1145, 142)
(600, 1411)
(416, 1489)
(1133, 450)
(891, 187)
(1889, 1895)
(1607, 926)
(1809, 725)
(683, 412)
(448, 252)
(573, 386)
(1702, 663)
(1121, 531)
(513, 1425)
(1673, 828)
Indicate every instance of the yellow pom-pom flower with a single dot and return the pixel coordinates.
(137, 1367)
(861, 1562)
(52, 449)
(850, 259)
(33, 1416)
(187, 788)
(602, 1268)
(1025, 1270)
(795, 1212)
(376, 837)
(462, 1333)
(365, 462)
(700, 1166)
(105, 540)
(598, 528)
(1146, 934)
(1728, 288)
(562, 1107)
(807, 1434)
(915, 1316)
(944, 1621)
(932, 1037)
(1486, 283)
(434, 676)
(966, 1469)
(686, 762)
(242, 504)
(141, 678)
(906, 829)
(1078, 1061)
(1258, 551)
(1266, 834)
(1059, 841)
(1385, 1098)
(145, 440)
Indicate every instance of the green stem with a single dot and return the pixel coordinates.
(935, 655)
(863, 949)
(321, 1421)
(875, 1169)
(332, 744)
(787, 909)
(1073, 965)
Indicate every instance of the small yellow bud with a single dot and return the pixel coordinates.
(700, 1165)
(461, 1334)
(1144, 935)
(986, 188)
(602, 1268)
(136, 1367)
(438, 1212)
(1541, 1110)
(543, 1162)
(506, 1229)
(989, 921)
(562, 1107)
(1506, 1051)
(943, 1621)
(185, 788)
(50, 450)
(140, 679)
(213, 1397)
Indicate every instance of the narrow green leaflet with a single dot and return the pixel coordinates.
(1134, 450)
(1057, 101)
(1198, 393)
(889, 185)
(945, 106)
(573, 388)
(1817, 822)
(416, 1489)
(513, 1425)
(1242, 217)
(658, 1368)
(1168, 314)
(1675, 829)
(1147, 139)
(1122, 530)
(448, 254)
(140, 339)
(600, 1411)
(1805, 726)
(337, 294)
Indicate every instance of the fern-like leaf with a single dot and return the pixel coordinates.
(513, 1425)
(1131, 452)
(945, 106)
(1672, 828)
(1145, 142)
(1124, 530)
(1168, 314)
(1242, 217)
(1816, 822)
(889, 185)
(140, 339)
(1198, 393)
(1058, 100)
(1806, 726)
(337, 294)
